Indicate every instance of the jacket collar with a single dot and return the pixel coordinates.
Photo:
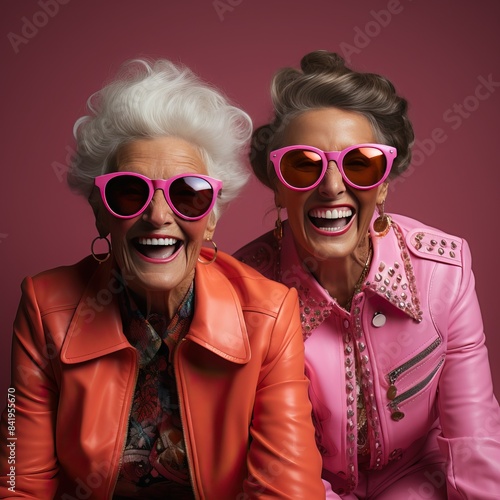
(391, 273)
(218, 323)
(390, 277)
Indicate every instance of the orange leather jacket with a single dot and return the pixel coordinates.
(240, 376)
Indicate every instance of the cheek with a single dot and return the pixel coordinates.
(290, 200)
(194, 234)
(118, 230)
(367, 204)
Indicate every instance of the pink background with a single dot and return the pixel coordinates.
(438, 53)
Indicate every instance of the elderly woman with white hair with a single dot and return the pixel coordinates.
(160, 368)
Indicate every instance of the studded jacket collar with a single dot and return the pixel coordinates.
(391, 278)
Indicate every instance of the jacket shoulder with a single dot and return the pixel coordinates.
(60, 287)
(430, 243)
(259, 254)
(252, 287)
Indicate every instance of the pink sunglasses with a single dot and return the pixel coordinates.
(362, 166)
(128, 194)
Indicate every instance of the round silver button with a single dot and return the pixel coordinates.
(378, 320)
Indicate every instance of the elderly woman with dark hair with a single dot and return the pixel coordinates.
(159, 369)
(400, 383)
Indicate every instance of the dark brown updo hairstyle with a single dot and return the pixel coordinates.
(325, 81)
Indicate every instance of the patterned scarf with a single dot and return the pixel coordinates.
(154, 460)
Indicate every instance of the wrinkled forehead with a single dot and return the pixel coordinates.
(160, 158)
(329, 129)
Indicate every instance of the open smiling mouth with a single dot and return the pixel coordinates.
(157, 248)
(331, 220)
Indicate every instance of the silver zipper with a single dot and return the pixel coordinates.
(392, 392)
(396, 413)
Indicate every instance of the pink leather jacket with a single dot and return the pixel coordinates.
(416, 338)
(240, 374)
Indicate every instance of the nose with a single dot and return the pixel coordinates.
(332, 185)
(158, 211)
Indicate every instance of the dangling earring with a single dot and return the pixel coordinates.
(96, 256)
(278, 235)
(278, 225)
(207, 262)
(382, 223)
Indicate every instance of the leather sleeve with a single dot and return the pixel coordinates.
(469, 412)
(283, 459)
(30, 430)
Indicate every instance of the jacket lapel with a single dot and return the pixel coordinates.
(96, 328)
(391, 273)
(218, 323)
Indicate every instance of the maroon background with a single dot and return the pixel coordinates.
(55, 53)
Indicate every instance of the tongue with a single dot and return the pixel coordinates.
(157, 251)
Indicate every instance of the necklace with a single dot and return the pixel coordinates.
(359, 283)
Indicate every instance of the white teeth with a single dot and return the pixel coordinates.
(158, 241)
(331, 214)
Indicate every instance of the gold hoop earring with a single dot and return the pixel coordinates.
(382, 224)
(96, 256)
(207, 262)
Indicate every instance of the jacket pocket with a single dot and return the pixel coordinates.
(395, 399)
(392, 392)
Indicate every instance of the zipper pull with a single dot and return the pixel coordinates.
(392, 392)
(396, 413)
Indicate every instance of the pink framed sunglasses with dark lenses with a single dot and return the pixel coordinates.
(362, 166)
(128, 194)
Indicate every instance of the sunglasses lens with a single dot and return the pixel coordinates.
(301, 168)
(191, 196)
(126, 195)
(364, 166)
